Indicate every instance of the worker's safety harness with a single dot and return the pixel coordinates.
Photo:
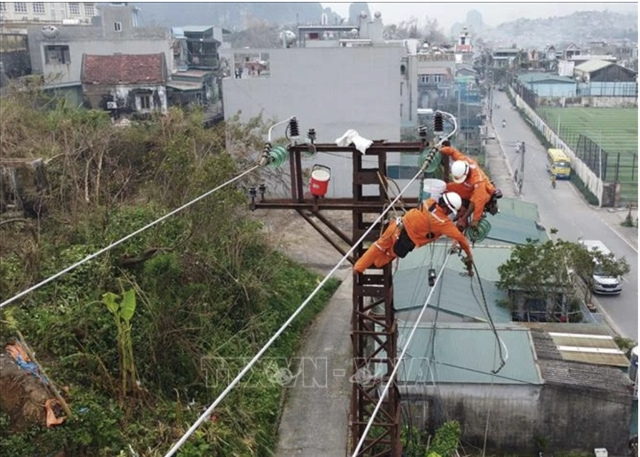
(404, 245)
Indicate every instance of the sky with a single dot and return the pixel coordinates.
(493, 13)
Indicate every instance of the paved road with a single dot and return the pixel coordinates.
(564, 208)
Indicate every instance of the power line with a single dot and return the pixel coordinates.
(252, 362)
(114, 244)
(240, 375)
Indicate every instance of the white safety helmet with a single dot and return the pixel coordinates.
(452, 201)
(459, 171)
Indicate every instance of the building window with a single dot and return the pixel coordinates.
(56, 55)
(3, 6)
(117, 26)
(74, 9)
(20, 7)
(88, 9)
(424, 79)
(38, 8)
(145, 102)
(437, 78)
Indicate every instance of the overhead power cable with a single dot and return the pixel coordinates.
(398, 363)
(116, 243)
(253, 361)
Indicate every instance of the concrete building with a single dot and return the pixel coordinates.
(541, 392)
(341, 79)
(548, 85)
(504, 57)
(125, 83)
(56, 50)
(600, 78)
(15, 17)
(17, 14)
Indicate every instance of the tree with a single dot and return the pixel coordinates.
(549, 271)
(433, 33)
(402, 31)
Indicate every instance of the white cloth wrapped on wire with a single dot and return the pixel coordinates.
(351, 136)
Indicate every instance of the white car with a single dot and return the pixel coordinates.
(602, 283)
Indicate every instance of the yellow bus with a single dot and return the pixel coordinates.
(558, 163)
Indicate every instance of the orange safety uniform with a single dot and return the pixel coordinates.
(477, 188)
(422, 227)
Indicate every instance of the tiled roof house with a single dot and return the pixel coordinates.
(125, 83)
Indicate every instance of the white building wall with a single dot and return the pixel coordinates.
(47, 11)
(330, 90)
(80, 44)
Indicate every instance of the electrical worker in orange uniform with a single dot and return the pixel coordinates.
(416, 228)
(472, 184)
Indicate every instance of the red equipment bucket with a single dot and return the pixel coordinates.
(319, 183)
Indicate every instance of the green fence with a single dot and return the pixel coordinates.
(605, 139)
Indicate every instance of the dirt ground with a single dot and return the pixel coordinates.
(296, 238)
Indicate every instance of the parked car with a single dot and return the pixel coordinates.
(602, 283)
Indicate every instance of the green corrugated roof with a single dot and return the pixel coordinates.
(465, 355)
(513, 229)
(411, 286)
(535, 78)
(515, 207)
(454, 297)
(593, 65)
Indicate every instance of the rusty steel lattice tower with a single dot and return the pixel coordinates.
(374, 327)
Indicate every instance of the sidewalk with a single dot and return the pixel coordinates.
(315, 420)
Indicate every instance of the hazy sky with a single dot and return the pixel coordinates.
(493, 13)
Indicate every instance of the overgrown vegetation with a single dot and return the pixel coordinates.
(209, 290)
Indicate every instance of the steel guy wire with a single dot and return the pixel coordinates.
(116, 243)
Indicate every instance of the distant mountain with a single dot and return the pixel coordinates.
(233, 16)
(579, 27)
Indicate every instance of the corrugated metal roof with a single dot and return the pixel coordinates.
(411, 284)
(411, 290)
(593, 65)
(519, 208)
(569, 342)
(537, 78)
(513, 229)
(465, 355)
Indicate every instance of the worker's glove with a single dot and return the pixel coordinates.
(474, 224)
(446, 143)
(461, 223)
(468, 262)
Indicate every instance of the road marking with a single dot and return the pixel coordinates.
(622, 237)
